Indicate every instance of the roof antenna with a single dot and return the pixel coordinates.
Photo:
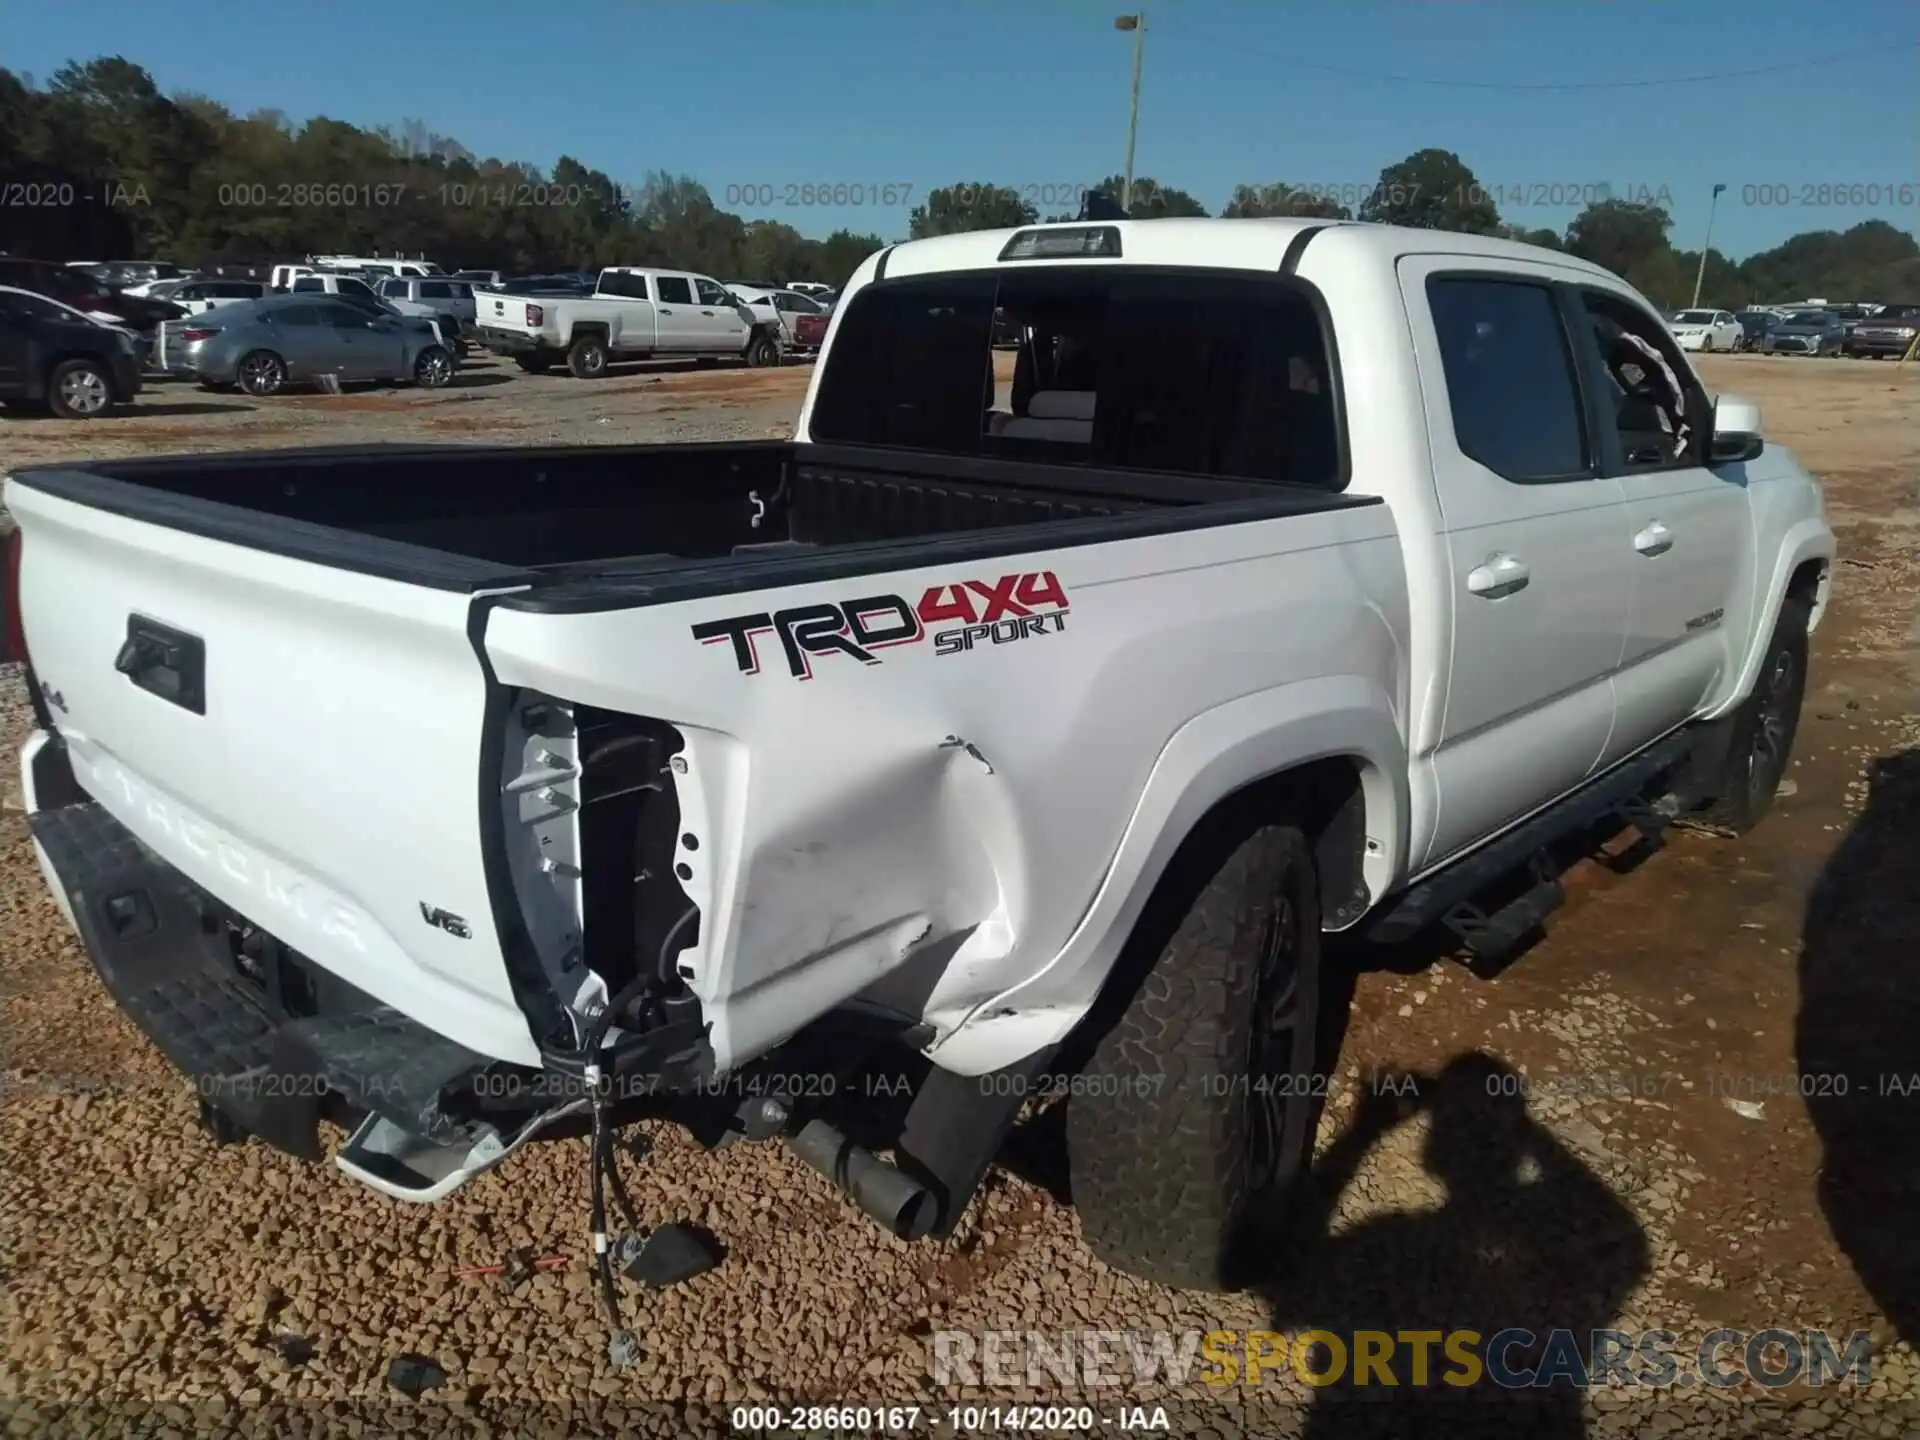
(1098, 205)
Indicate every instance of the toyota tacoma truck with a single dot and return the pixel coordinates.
(1302, 577)
(632, 314)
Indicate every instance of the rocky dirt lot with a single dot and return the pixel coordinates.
(1695, 1104)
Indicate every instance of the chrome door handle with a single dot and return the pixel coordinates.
(1656, 539)
(1501, 575)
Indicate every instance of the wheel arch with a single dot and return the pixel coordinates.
(1324, 754)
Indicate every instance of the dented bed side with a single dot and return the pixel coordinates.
(912, 786)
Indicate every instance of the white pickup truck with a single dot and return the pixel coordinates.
(1306, 576)
(633, 314)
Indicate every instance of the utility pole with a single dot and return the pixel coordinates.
(1137, 23)
(1701, 274)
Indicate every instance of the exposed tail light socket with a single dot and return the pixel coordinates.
(14, 636)
(535, 315)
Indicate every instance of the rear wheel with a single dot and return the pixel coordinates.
(433, 369)
(762, 352)
(587, 358)
(79, 390)
(1193, 1119)
(261, 372)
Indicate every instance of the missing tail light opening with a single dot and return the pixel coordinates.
(15, 632)
(535, 315)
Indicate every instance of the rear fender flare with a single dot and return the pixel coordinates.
(1209, 759)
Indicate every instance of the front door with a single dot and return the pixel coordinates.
(721, 327)
(362, 351)
(1686, 532)
(1538, 584)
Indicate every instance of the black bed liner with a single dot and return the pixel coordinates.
(577, 528)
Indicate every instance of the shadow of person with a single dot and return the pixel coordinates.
(1857, 1039)
(1527, 1239)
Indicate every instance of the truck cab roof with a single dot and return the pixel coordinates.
(1249, 244)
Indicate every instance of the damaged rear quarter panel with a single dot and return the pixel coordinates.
(952, 801)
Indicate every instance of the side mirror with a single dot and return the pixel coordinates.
(1736, 431)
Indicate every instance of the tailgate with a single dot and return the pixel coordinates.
(301, 741)
(509, 312)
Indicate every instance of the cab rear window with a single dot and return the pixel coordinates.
(1219, 373)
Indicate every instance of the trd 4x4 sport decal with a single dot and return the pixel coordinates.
(984, 612)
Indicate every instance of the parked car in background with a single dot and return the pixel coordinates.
(77, 287)
(199, 295)
(1754, 325)
(808, 287)
(375, 264)
(445, 299)
(265, 345)
(1806, 332)
(1706, 330)
(802, 320)
(55, 357)
(482, 279)
(633, 314)
(1890, 331)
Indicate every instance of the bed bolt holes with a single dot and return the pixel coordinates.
(690, 841)
(683, 870)
(1373, 846)
(679, 765)
(686, 972)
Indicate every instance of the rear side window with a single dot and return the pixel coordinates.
(309, 284)
(1201, 373)
(1510, 378)
(627, 287)
(674, 289)
(435, 290)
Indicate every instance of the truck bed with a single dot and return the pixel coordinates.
(472, 518)
(366, 700)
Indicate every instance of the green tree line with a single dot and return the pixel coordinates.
(99, 164)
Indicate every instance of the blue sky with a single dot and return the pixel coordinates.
(747, 95)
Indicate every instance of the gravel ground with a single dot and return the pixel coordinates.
(141, 1267)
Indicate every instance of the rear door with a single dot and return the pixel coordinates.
(307, 340)
(634, 325)
(1687, 534)
(1531, 525)
(326, 784)
(680, 330)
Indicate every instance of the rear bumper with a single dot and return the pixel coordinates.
(509, 342)
(163, 950)
(1874, 345)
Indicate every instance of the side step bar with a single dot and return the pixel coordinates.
(1447, 896)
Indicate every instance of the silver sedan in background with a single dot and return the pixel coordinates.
(263, 346)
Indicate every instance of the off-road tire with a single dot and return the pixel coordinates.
(1760, 736)
(1161, 1123)
(587, 358)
